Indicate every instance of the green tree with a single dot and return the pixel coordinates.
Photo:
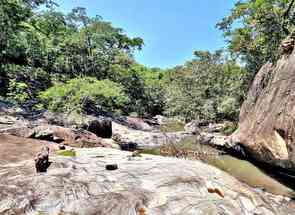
(255, 28)
(210, 87)
(78, 93)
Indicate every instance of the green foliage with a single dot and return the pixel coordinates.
(48, 51)
(230, 128)
(208, 88)
(18, 91)
(66, 153)
(64, 46)
(255, 29)
(24, 83)
(78, 92)
(144, 87)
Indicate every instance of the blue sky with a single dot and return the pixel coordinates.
(172, 30)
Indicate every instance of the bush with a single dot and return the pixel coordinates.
(228, 108)
(74, 94)
(21, 84)
(18, 91)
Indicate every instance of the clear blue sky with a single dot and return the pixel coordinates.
(172, 30)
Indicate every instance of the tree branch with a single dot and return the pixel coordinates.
(287, 12)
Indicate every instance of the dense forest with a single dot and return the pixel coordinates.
(76, 63)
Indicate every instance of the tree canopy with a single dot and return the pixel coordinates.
(48, 57)
(255, 28)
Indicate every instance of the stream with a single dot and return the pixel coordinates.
(245, 171)
(250, 174)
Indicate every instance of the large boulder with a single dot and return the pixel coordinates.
(267, 120)
(136, 123)
(68, 136)
(128, 137)
(102, 127)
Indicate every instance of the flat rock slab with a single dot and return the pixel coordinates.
(149, 184)
(146, 139)
(14, 149)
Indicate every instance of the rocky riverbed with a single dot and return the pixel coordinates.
(150, 184)
(79, 182)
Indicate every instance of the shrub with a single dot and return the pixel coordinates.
(18, 91)
(74, 94)
(228, 108)
(21, 84)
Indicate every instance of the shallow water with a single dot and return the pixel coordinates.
(243, 170)
(250, 174)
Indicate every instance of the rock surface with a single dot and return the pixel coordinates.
(135, 123)
(56, 127)
(15, 149)
(145, 139)
(150, 184)
(266, 128)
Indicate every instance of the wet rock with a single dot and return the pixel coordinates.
(59, 119)
(128, 146)
(136, 123)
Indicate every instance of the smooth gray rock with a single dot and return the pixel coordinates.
(154, 184)
(145, 139)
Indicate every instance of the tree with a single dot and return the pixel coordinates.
(61, 46)
(255, 28)
(210, 87)
(76, 94)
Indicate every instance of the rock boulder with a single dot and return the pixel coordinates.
(267, 120)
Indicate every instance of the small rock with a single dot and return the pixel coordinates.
(42, 160)
(128, 146)
(217, 191)
(62, 147)
(111, 167)
(192, 127)
(141, 211)
(136, 154)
